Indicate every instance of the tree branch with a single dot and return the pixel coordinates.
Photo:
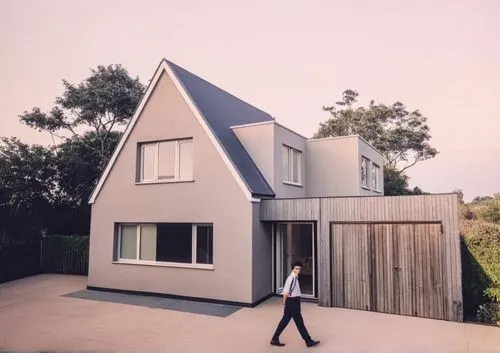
(108, 132)
(52, 137)
(411, 165)
(81, 141)
(396, 157)
(394, 160)
(52, 134)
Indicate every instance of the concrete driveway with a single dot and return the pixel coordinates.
(35, 316)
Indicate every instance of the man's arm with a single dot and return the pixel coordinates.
(285, 296)
(286, 288)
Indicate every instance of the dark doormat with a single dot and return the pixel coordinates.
(186, 306)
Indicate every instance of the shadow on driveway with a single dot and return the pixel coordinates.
(210, 309)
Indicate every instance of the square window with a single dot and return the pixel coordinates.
(166, 161)
(174, 242)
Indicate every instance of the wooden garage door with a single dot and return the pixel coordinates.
(393, 268)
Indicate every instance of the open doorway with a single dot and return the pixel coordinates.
(295, 242)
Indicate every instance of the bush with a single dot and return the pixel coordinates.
(490, 211)
(480, 265)
(466, 212)
(57, 242)
(489, 313)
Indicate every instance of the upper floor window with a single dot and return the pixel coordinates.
(165, 161)
(375, 177)
(364, 171)
(292, 167)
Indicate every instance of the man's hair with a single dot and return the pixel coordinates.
(296, 263)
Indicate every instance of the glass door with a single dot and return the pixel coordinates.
(295, 242)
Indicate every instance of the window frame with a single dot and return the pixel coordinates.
(194, 242)
(375, 177)
(292, 152)
(156, 167)
(137, 261)
(367, 169)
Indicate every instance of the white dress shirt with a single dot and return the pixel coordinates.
(292, 286)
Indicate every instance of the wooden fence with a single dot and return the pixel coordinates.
(19, 260)
(60, 254)
(71, 261)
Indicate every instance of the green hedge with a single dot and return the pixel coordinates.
(58, 242)
(480, 264)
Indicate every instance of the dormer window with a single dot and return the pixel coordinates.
(292, 167)
(166, 161)
(364, 172)
(375, 177)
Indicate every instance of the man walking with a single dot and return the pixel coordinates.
(291, 301)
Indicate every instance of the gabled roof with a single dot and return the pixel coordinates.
(216, 110)
(222, 110)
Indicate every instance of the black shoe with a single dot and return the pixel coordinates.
(312, 343)
(277, 343)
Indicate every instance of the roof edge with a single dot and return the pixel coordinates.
(128, 129)
(266, 123)
(359, 137)
(165, 66)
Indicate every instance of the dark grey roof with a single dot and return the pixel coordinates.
(222, 110)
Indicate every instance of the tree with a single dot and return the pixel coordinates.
(85, 126)
(396, 183)
(481, 199)
(417, 191)
(78, 172)
(76, 164)
(460, 195)
(465, 211)
(483, 208)
(402, 136)
(102, 102)
(28, 187)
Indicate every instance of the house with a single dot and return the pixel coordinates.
(209, 198)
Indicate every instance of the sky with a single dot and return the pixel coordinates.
(289, 58)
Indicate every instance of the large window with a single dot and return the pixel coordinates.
(375, 177)
(166, 161)
(166, 243)
(292, 168)
(365, 162)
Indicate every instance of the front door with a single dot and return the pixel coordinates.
(295, 242)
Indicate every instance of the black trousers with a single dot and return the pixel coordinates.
(292, 310)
